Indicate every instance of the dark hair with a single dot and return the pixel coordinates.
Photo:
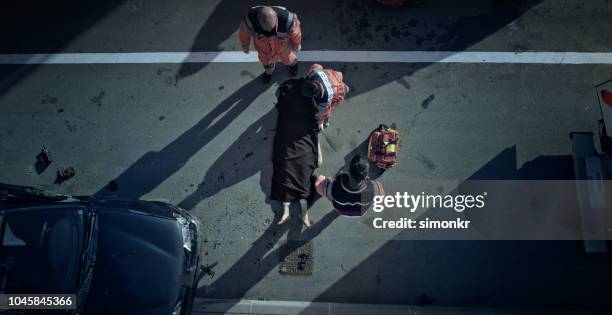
(359, 167)
(311, 89)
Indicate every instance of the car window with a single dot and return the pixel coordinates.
(41, 251)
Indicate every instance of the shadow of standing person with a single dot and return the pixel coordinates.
(250, 154)
(262, 257)
(154, 167)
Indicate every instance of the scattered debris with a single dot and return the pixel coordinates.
(404, 83)
(43, 160)
(247, 73)
(45, 156)
(427, 101)
(162, 70)
(70, 126)
(48, 99)
(135, 5)
(97, 100)
(427, 162)
(171, 80)
(113, 186)
(64, 174)
(207, 270)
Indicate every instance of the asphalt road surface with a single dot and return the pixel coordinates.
(200, 135)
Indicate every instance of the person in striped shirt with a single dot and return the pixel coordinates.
(351, 193)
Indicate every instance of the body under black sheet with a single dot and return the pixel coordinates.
(295, 144)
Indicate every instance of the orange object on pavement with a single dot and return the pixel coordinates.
(335, 90)
(280, 44)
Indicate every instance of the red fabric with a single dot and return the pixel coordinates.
(377, 148)
(340, 90)
(393, 3)
(607, 97)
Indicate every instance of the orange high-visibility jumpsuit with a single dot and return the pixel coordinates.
(280, 46)
(335, 91)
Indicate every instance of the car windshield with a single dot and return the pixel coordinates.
(41, 250)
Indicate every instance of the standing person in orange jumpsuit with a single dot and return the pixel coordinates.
(327, 91)
(276, 35)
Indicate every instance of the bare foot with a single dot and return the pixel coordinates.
(285, 216)
(284, 219)
(304, 217)
(319, 156)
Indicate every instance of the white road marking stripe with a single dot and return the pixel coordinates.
(203, 306)
(316, 56)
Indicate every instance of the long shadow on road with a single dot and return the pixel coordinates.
(155, 167)
(250, 154)
(261, 258)
(442, 25)
(43, 27)
(32, 27)
(513, 274)
(359, 24)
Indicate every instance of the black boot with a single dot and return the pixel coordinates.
(265, 78)
(293, 69)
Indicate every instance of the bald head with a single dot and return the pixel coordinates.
(267, 18)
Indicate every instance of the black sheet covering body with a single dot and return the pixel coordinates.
(295, 144)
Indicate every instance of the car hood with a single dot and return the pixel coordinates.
(139, 264)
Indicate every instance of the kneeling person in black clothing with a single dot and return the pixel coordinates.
(351, 193)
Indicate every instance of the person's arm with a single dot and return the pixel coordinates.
(321, 114)
(295, 34)
(322, 185)
(341, 91)
(244, 35)
(378, 188)
(346, 89)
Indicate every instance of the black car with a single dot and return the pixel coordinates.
(117, 256)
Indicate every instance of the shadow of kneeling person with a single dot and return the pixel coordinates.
(362, 149)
